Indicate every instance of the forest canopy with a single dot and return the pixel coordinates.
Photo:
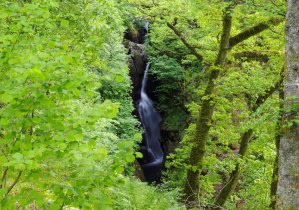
(73, 79)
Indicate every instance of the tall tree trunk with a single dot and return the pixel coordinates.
(204, 121)
(277, 141)
(288, 175)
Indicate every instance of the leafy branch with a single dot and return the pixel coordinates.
(191, 48)
(233, 41)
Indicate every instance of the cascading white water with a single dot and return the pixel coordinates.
(151, 147)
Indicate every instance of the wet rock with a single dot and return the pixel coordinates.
(137, 65)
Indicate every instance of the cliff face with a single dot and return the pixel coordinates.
(134, 42)
(137, 65)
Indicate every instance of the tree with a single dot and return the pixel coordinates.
(58, 137)
(204, 121)
(230, 186)
(288, 176)
(217, 38)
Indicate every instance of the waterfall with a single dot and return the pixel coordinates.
(152, 161)
(153, 156)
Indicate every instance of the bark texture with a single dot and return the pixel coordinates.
(277, 142)
(253, 31)
(288, 175)
(204, 121)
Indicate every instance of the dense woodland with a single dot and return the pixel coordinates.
(224, 75)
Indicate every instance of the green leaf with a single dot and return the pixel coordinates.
(138, 154)
(130, 158)
(6, 98)
(64, 23)
(102, 153)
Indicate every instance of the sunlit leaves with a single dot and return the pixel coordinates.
(241, 81)
(55, 126)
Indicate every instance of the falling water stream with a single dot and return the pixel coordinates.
(152, 161)
(153, 156)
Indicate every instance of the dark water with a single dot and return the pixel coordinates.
(153, 156)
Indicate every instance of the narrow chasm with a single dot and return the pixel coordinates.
(152, 161)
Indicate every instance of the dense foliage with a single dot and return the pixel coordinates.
(68, 138)
(66, 129)
(185, 39)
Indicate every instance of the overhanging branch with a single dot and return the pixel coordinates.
(252, 55)
(185, 42)
(253, 31)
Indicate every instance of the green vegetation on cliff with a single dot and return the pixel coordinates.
(69, 137)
